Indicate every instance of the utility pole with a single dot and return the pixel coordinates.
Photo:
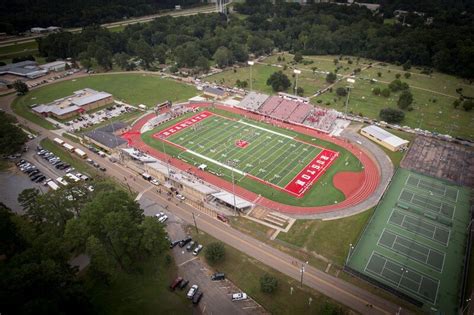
(195, 224)
(296, 72)
(250, 63)
(351, 81)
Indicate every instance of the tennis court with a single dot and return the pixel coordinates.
(433, 187)
(419, 225)
(403, 277)
(415, 243)
(425, 202)
(412, 249)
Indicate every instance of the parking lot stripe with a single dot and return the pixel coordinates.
(183, 263)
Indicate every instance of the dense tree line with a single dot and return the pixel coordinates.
(12, 138)
(21, 15)
(194, 41)
(107, 225)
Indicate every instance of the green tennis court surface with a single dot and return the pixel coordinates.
(415, 242)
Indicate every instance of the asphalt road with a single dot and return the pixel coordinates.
(335, 288)
(143, 19)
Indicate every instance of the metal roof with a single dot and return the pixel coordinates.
(215, 91)
(90, 99)
(229, 199)
(385, 136)
(105, 138)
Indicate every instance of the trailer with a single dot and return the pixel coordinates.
(58, 141)
(81, 153)
(53, 185)
(68, 147)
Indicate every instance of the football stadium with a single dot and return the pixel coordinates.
(266, 162)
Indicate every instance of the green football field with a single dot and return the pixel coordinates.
(271, 157)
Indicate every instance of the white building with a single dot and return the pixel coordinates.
(384, 138)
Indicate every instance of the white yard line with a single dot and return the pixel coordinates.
(216, 162)
(267, 130)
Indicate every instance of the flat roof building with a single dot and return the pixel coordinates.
(384, 138)
(215, 92)
(81, 101)
(28, 69)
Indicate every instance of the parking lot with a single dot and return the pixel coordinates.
(217, 294)
(89, 120)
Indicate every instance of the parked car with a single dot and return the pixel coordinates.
(155, 182)
(180, 197)
(222, 217)
(192, 291)
(183, 284)
(239, 296)
(174, 243)
(185, 241)
(190, 246)
(175, 283)
(218, 276)
(197, 250)
(197, 297)
(159, 215)
(163, 219)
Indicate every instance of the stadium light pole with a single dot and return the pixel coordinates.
(164, 151)
(231, 164)
(250, 63)
(302, 273)
(349, 87)
(351, 247)
(296, 72)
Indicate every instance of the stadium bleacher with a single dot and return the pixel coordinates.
(253, 101)
(270, 105)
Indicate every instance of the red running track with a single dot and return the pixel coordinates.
(367, 180)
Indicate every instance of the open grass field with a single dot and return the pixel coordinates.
(279, 302)
(431, 111)
(141, 293)
(134, 89)
(415, 241)
(260, 154)
(325, 237)
(309, 81)
(19, 48)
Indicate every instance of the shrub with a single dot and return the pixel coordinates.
(385, 92)
(215, 252)
(341, 91)
(331, 77)
(376, 91)
(405, 100)
(468, 105)
(407, 75)
(391, 115)
(268, 283)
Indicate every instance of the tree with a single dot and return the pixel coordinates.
(336, 61)
(121, 59)
(391, 115)
(398, 75)
(405, 100)
(300, 91)
(104, 58)
(279, 81)
(397, 85)
(385, 92)
(241, 84)
(268, 283)
(456, 103)
(203, 64)
(468, 105)
(20, 87)
(407, 75)
(340, 91)
(12, 138)
(376, 91)
(215, 252)
(298, 57)
(223, 57)
(144, 51)
(407, 65)
(114, 232)
(331, 77)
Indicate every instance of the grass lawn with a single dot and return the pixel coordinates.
(330, 239)
(320, 194)
(30, 47)
(131, 88)
(431, 112)
(141, 293)
(79, 164)
(279, 302)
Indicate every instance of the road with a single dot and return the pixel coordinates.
(143, 19)
(335, 288)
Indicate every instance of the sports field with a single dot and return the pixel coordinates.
(266, 155)
(415, 242)
(260, 165)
